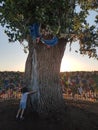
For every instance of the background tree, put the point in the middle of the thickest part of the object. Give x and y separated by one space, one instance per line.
55 18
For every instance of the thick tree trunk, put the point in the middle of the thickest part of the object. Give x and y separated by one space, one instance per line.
42 73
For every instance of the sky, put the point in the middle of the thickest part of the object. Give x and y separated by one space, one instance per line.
13 58
73 61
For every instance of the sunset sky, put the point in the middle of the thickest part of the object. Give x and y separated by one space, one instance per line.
73 61
13 58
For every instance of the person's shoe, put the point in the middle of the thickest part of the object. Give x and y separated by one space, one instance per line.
21 118
16 117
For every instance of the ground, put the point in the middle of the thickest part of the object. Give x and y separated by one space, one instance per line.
78 116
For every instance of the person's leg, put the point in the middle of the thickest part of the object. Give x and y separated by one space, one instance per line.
22 112
18 113
23 108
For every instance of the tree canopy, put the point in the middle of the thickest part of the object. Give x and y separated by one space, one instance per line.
64 18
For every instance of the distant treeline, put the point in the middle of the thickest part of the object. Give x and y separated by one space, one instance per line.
93 74
19 75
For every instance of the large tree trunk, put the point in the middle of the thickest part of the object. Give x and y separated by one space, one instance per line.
42 73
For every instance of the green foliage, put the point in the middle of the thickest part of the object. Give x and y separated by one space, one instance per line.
60 16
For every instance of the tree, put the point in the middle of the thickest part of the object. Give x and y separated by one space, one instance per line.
39 23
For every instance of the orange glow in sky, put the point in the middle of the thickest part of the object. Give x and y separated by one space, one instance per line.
69 64
72 64
73 61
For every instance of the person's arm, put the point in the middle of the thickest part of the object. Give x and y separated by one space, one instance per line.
32 92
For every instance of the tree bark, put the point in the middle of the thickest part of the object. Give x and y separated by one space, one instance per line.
42 73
